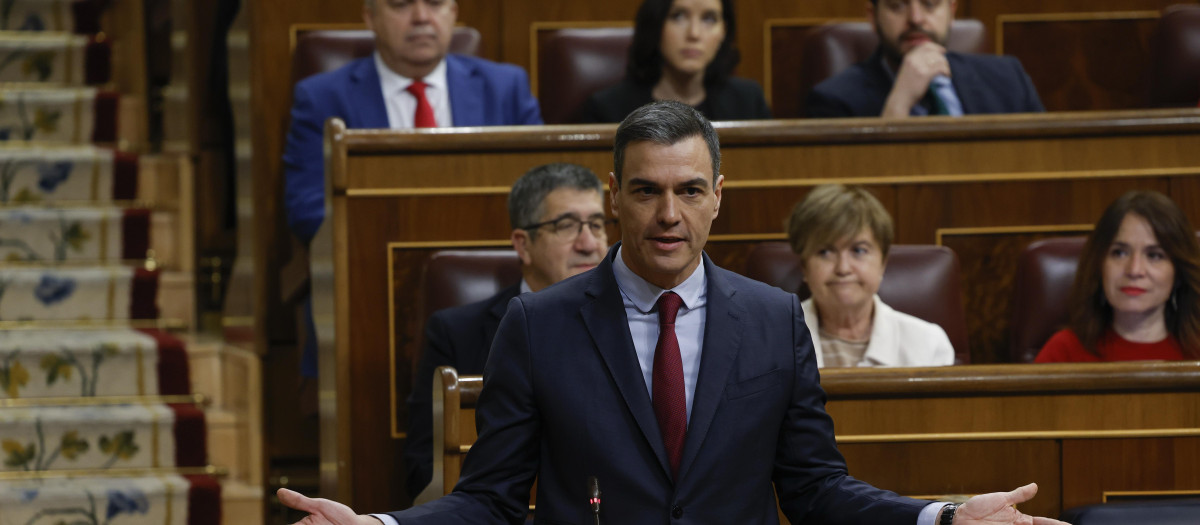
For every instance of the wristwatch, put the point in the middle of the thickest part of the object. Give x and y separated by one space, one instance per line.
948 514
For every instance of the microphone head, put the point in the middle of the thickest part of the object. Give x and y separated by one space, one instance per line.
593 487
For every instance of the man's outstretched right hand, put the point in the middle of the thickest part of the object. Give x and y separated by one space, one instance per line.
322 511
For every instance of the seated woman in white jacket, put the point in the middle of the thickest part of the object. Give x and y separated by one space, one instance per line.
843 234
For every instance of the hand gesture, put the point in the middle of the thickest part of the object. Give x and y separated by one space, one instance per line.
920 65
322 511
998 508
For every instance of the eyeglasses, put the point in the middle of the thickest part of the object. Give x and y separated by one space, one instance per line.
568 228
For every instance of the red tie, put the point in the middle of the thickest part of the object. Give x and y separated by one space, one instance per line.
670 401
424 117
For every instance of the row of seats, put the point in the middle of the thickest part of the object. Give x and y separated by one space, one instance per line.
920 280
586 60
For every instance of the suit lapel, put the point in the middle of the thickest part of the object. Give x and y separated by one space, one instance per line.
608 327
466 92
370 111
724 322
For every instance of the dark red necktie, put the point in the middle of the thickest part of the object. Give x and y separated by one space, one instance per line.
670 400
424 115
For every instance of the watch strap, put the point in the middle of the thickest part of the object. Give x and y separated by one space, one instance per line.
948 514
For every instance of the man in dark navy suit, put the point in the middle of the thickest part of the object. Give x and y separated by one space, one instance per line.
912 74
691 393
558 230
409 82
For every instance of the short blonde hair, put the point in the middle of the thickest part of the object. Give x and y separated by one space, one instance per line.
832 212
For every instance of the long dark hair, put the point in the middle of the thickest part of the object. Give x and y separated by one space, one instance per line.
1091 315
645 60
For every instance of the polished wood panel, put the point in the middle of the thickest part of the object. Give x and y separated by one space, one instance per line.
1079 431
397 195
1083 62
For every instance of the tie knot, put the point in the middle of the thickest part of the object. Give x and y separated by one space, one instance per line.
668 306
417 88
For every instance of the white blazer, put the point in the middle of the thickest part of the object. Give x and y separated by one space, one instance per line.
897 339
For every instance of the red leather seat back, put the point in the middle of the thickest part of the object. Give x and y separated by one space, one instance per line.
919 280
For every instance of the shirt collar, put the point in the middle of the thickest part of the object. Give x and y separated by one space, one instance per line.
525 287
393 82
644 295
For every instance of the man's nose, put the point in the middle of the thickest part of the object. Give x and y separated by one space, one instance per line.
668 209
421 12
588 242
916 13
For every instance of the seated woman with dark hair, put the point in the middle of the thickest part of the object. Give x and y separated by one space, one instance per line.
682 50
1136 294
843 235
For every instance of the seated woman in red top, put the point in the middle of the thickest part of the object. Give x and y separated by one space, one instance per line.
1135 295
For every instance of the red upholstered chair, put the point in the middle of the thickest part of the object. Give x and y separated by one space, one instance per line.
573 63
830 48
1045 272
321 50
1175 58
457 277
920 280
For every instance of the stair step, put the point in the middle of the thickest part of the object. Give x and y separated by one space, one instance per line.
45 364
70 16
43 439
160 500
77 294
58 115
94 235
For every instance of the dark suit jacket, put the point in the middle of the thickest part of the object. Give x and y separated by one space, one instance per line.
459 337
564 398
482 93
734 99
984 83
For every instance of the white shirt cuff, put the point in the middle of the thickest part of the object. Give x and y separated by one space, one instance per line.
926 517
388 520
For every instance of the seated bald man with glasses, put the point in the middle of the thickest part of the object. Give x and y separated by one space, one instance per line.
557 217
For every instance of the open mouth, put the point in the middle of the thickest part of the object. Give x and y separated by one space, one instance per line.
666 242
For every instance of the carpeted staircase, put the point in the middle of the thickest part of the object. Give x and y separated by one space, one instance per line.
99 420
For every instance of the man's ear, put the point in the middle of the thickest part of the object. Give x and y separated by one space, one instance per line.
613 190
368 17
871 16
520 241
717 192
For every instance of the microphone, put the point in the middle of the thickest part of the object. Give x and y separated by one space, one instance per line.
594 497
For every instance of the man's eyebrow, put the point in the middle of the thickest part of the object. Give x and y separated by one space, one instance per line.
698 181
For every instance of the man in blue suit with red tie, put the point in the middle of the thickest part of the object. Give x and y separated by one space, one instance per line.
409 82
690 392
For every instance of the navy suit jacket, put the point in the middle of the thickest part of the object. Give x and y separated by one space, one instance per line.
984 83
459 337
482 93
564 398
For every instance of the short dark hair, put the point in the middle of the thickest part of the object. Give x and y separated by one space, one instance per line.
526 198
1090 313
645 59
665 122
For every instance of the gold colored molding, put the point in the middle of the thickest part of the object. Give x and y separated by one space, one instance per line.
745 237
1065 17
1123 495
194 399
1032 176
770 24
941 233
535 27
209 470
939 437
161 324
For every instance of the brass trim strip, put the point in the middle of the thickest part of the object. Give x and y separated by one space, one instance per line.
141 369
75 137
1170 493
163 324
538 26
104 236
1065 17
170 495
420 245
96 181
940 233
807 182
209 470
155 446
1019 435
112 296
743 237
193 399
